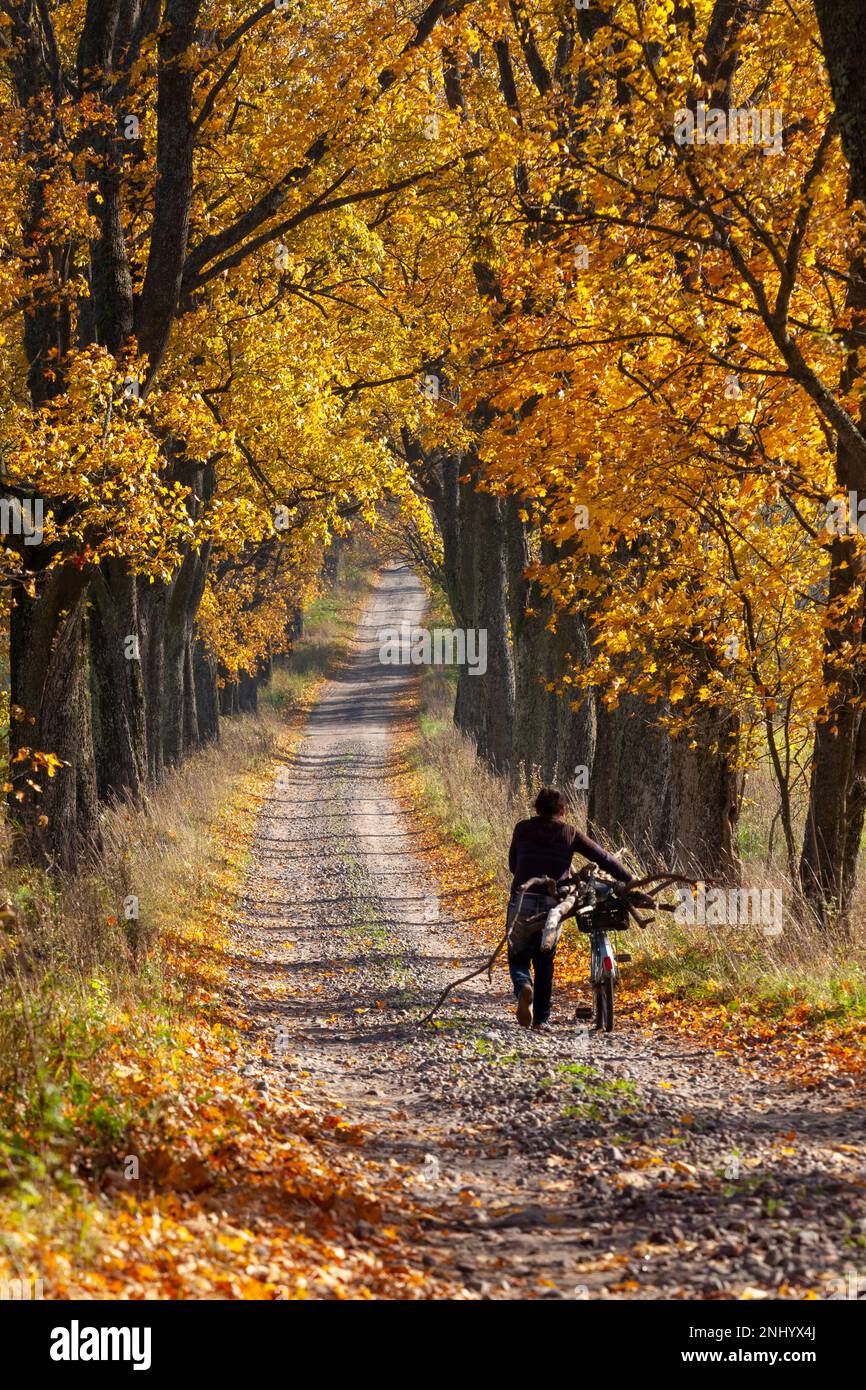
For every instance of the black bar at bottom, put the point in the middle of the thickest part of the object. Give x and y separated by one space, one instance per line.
452 1341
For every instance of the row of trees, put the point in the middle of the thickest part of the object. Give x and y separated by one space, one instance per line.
579 288
190 193
660 362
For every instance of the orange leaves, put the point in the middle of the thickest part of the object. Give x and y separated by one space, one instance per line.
341 1129
643 382
789 1042
166 1169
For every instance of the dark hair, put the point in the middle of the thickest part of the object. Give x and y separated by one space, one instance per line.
550 802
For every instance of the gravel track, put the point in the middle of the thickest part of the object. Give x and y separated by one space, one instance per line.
566 1164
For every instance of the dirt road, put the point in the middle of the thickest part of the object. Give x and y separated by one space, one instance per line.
562 1165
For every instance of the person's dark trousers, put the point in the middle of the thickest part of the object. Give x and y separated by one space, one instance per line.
527 960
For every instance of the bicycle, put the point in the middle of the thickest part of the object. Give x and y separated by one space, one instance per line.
602 908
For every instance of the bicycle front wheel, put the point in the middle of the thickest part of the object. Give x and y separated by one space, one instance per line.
604 1005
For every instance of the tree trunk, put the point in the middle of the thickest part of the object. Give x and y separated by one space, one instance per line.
173 690
833 795
228 697
571 760
476 578
191 739
456 507
496 697
630 785
179 717
152 600
331 563
50 684
118 684
704 797
553 734
206 694
533 735
248 693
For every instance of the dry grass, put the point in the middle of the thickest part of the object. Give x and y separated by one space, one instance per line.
73 961
75 924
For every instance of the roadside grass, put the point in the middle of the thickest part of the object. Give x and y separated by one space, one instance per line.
804 976
328 632
113 1026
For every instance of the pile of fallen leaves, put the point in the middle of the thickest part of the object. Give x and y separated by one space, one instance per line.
220 1192
791 1042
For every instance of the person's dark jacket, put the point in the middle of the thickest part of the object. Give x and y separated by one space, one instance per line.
543 846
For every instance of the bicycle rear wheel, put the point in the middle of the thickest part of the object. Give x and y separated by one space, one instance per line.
603 994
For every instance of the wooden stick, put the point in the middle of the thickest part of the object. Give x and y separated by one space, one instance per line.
488 966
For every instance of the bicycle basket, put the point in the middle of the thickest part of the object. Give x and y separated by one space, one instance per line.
608 914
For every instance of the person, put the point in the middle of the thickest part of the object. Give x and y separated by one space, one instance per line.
542 847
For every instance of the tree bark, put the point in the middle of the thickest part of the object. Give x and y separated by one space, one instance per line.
456 508
531 643
575 719
630 784
157 304
248 693
179 719
152 600
228 697
118 683
704 797
496 696
554 735
206 694
49 682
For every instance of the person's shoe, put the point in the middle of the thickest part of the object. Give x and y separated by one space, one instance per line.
524 1006
541 1027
